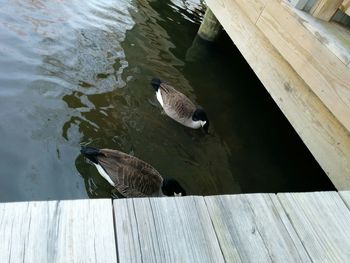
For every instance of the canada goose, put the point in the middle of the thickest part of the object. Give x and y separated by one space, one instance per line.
178 107
131 176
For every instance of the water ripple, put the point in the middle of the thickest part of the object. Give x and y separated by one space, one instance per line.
77 72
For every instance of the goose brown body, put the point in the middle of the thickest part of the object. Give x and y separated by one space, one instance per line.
131 176
176 105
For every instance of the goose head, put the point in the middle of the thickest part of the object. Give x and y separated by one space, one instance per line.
201 116
155 82
171 187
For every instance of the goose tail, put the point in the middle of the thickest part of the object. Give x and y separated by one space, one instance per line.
155 82
91 153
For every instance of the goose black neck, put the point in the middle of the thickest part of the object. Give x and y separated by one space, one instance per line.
171 187
91 153
155 82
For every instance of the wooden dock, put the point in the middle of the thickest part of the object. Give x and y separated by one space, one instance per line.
287 227
304 63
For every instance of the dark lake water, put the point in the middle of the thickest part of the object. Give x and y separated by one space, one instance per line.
77 73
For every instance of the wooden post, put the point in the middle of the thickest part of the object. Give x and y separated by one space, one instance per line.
300 4
198 49
325 9
346 7
210 27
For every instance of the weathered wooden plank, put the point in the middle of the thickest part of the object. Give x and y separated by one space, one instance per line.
252 8
289 227
345 6
309 58
347 10
345 195
128 245
332 35
57 231
326 138
322 222
300 4
165 230
251 226
196 236
325 9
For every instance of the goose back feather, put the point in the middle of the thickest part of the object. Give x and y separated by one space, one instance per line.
176 105
131 176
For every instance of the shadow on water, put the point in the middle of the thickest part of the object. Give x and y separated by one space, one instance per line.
199 162
252 148
84 79
267 155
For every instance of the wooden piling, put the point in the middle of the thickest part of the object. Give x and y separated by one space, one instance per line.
210 27
325 9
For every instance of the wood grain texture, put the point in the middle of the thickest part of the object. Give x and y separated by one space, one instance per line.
252 8
128 244
325 9
332 35
250 229
322 133
165 230
309 58
322 222
345 195
57 231
300 4
347 11
345 7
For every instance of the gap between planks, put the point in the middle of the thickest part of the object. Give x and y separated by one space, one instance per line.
265 232
165 230
258 211
259 230
262 228
321 220
57 231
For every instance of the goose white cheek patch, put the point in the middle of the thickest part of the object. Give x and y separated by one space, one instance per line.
104 174
159 97
203 123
